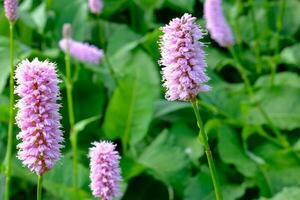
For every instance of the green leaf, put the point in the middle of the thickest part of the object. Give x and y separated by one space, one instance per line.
149 4
281 79
58 181
133 101
80 126
21 52
200 187
39 16
232 152
164 107
184 5
188 140
281 105
166 160
291 55
288 193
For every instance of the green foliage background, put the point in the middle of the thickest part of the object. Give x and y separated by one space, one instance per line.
164 158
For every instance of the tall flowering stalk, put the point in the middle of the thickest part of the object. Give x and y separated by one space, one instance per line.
183 69
11 13
221 32
66 43
105 172
38 117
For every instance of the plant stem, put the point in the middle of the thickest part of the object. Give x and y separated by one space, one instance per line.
11 112
242 71
204 140
279 25
277 132
39 187
257 43
73 136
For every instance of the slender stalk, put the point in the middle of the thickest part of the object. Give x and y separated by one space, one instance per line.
242 71
73 136
204 140
11 112
39 187
277 132
257 43
279 25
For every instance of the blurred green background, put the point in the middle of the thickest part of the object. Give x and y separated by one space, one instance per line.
164 158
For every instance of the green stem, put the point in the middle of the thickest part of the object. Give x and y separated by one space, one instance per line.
242 71
257 43
277 132
39 187
279 25
11 113
204 140
73 138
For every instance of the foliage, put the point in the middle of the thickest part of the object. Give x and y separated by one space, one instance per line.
161 155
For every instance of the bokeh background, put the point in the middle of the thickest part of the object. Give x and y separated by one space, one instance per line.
164 159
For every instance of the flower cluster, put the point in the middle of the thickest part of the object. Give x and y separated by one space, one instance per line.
11 10
38 116
183 59
216 23
105 171
82 51
96 6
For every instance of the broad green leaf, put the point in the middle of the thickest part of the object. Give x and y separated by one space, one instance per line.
231 151
291 55
121 37
164 107
133 101
281 79
149 4
184 5
188 140
58 181
281 105
39 16
130 168
165 160
288 193
200 187
21 52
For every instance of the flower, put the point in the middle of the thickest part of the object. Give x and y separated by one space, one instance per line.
82 51
38 116
96 6
216 23
183 59
11 10
105 172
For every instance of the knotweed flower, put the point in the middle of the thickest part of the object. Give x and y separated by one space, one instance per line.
183 59
105 171
38 116
11 10
82 51
216 23
96 6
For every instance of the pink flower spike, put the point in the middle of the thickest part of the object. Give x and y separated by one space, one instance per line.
105 172
11 10
38 116
183 59
82 51
96 6
216 23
